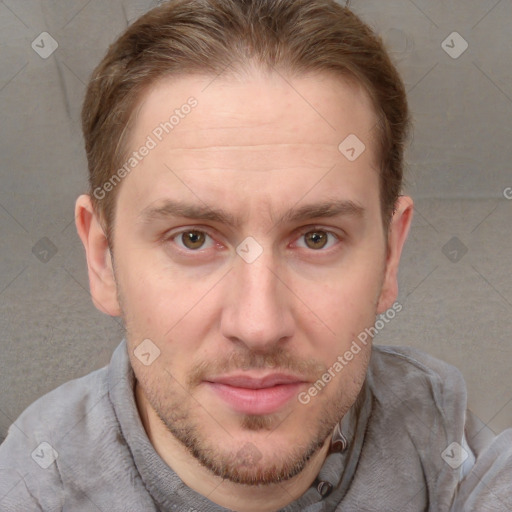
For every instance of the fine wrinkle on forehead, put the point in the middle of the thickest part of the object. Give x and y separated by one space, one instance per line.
262 146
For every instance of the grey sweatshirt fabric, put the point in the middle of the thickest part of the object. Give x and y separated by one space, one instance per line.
82 447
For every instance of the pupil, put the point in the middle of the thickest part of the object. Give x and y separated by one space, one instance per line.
318 239
194 239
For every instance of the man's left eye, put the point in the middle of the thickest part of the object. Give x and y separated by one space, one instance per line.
318 239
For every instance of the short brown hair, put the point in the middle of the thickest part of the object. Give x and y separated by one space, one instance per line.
183 37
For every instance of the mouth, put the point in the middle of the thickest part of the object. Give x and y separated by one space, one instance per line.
256 395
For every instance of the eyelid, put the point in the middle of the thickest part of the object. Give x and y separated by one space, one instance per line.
317 227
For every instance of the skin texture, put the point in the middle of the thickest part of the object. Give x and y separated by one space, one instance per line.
256 147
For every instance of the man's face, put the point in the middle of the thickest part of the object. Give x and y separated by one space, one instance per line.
241 334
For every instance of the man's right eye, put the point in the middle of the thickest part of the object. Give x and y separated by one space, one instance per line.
192 240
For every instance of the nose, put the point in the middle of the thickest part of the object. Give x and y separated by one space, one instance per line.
257 305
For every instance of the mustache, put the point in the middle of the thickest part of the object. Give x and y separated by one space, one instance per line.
278 359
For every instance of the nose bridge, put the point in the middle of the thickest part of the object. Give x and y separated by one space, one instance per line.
257 311
257 280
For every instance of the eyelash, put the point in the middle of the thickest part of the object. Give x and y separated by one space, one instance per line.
302 233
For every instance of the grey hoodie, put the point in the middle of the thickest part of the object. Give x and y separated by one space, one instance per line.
411 445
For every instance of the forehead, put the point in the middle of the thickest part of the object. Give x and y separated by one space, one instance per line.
312 109
261 132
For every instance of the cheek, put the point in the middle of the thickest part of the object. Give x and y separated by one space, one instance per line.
338 310
162 306
345 293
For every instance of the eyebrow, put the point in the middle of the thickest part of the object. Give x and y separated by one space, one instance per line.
324 209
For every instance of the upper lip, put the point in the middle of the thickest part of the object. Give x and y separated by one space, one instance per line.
252 382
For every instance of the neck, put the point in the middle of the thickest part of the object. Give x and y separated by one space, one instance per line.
243 498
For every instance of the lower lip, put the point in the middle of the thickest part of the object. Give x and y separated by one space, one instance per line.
256 401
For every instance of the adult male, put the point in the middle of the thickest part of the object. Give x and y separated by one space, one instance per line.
246 222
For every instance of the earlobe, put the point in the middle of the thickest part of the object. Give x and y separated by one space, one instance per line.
99 261
397 234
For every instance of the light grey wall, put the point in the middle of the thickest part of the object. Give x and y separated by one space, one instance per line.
457 305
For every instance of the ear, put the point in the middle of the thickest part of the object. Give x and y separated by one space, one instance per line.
397 234
99 260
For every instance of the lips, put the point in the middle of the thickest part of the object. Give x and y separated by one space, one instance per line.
255 395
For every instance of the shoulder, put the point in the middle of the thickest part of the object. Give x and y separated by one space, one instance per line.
410 375
418 397
413 361
487 486
418 405
46 436
60 410
68 449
